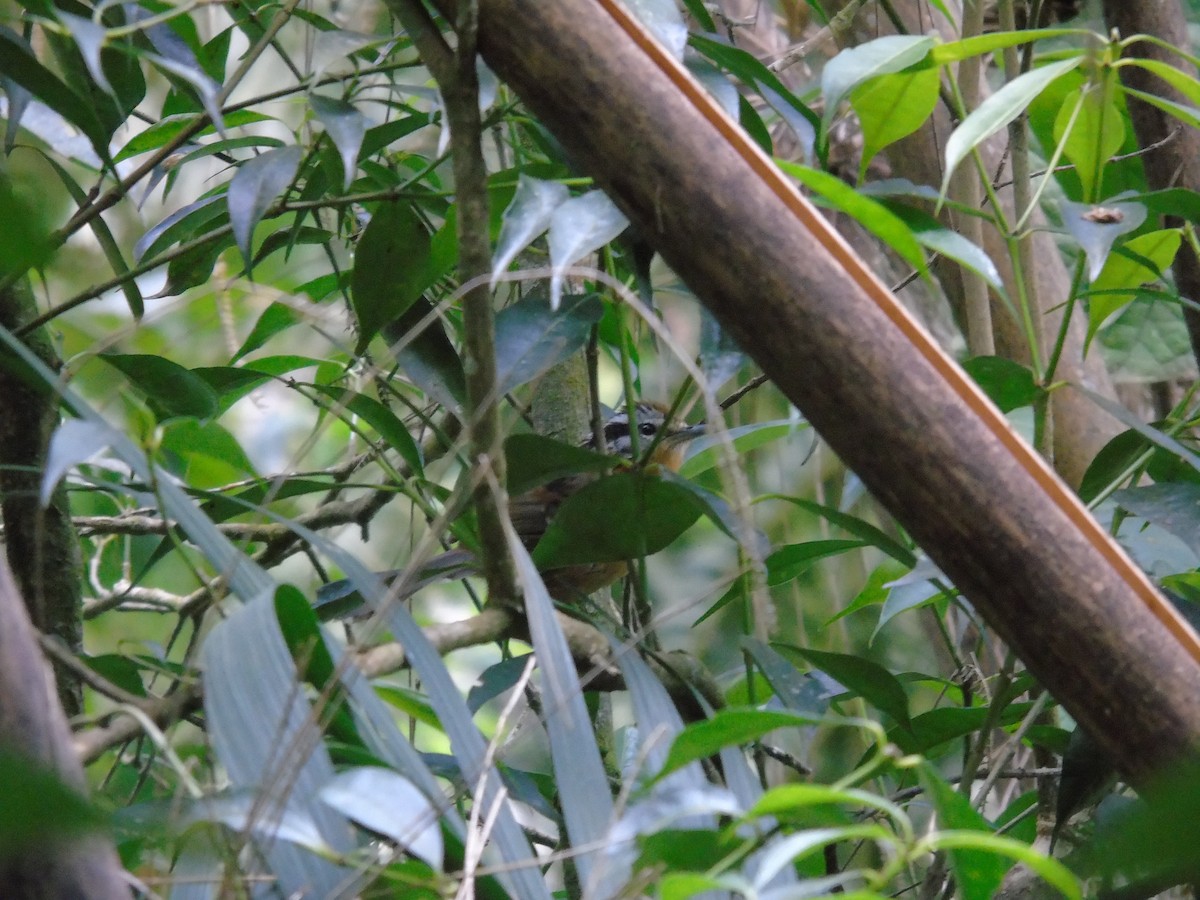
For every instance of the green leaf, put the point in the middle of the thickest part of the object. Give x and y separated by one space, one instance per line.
998 110
801 692
171 389
857 65
393 266
655 511
254 189
1008 384
1116 459
168 128
927 732
869 213
276 318
533 459
104 236
1097 134
892 107
978 872
1174 507
346 127
727 728
1156 250
18 63
955 51
531 337
793 560
860 528
868 679
1148 341
427 357
933 235
704 453
379 417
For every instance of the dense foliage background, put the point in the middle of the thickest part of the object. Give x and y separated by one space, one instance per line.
233 280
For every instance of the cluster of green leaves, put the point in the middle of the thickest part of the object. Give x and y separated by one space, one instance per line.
332 192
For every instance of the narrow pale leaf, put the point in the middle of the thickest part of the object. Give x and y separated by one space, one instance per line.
998 110
527 216
388 804
578 227
255 187
345 126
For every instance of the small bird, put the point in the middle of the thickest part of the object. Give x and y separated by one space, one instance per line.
660 442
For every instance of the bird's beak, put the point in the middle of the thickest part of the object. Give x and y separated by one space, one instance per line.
686 434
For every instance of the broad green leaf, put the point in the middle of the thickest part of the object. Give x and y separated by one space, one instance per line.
531 336
726 728
276 318
1096 135
788 797
525 218
534 459
180 226
335 44
171 389
751 71
1174 507
27 228
392 268
1172 75
1121 272
933 235
655 511
1097 227
871 214
1148 342
579 226
860 528
166 129
90 37
1049 869
807 693
18 63
205 87
977 872
868 679
379 417
905 593
1187 114
1150 433
998 110
1008 384
427 356
857 65
345 126
955 51
892 107
927 732
211 456
1115 460
254 189
793 560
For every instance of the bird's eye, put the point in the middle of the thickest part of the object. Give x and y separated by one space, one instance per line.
647 429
